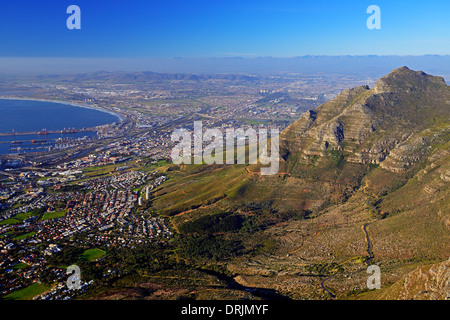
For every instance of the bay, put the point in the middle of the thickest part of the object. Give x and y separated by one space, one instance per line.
35 115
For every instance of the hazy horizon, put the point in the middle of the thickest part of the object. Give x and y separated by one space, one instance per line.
372 65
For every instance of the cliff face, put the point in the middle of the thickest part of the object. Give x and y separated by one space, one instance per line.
384 125
427 283
430 282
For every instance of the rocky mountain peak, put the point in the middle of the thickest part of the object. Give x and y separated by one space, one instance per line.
406 80
374 125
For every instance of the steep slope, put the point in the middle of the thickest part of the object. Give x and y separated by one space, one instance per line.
428 282
370 123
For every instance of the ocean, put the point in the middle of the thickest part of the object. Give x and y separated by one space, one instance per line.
34 116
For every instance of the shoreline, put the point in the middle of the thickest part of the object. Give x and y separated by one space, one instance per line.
73 104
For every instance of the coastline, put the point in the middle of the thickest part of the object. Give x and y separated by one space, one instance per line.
117 115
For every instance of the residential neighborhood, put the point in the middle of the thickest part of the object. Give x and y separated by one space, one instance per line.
99 212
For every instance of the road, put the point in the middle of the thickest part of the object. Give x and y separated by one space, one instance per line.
367 261
369 244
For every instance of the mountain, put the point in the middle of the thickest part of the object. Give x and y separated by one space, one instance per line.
374 125
145 76
361 66
363 179
372 159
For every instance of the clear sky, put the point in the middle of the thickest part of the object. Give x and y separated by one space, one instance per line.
222 28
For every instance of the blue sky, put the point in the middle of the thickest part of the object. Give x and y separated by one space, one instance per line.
223 28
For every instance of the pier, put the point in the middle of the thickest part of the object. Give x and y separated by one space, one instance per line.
21 142
45 132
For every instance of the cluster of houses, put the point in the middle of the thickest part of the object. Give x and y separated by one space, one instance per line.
104 212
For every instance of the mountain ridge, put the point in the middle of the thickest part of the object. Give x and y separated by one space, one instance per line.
400 104
144 76
373 164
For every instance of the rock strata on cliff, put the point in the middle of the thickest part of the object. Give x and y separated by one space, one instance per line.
383 125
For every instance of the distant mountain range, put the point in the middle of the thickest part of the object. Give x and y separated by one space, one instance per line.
370 65
145 76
